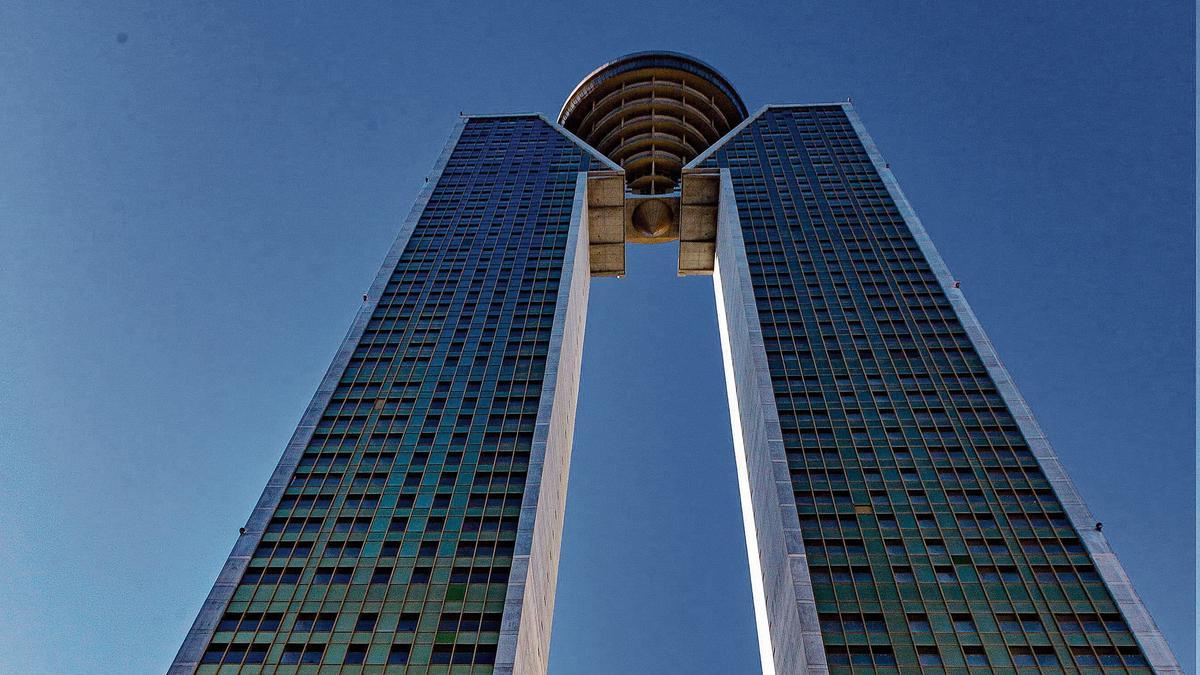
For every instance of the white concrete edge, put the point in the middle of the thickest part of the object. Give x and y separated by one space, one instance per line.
779 649
583 144
524 641
753 554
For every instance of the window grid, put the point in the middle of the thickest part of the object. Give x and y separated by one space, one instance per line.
911 477
392 543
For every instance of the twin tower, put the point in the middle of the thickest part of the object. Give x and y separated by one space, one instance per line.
903 510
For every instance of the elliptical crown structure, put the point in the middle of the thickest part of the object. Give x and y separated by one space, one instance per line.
652 113
903 510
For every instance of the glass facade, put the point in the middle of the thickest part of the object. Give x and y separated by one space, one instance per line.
935 541
391 545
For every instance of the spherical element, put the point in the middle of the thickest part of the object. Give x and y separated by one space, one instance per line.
652 113
653 218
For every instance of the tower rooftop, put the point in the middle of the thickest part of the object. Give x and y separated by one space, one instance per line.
652 112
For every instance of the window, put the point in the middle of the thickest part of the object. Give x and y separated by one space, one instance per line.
215 653
1008 623
903 575
981 546
302 654
381 575
234 653
975 656
442 654
272 575
256 654
252 621
463 654
398 656
484 654
860 656
1023 656
408 622
874 623
1037 656
351 524
928 656
478 575
365 502
1030 623
421 575
964 624
366 622
999 574
944 574
333 575
1085 657
1090 623
919 623
1130 656
468 623
316 623
1112 622
350 549
356 654
853 623
831 624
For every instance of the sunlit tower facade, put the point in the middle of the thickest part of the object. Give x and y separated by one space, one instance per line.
903 511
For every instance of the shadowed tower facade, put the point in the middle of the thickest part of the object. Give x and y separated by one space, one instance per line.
903 511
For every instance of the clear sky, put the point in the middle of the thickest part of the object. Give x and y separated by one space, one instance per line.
193 197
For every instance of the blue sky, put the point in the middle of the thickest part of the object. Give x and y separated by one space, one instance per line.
188 218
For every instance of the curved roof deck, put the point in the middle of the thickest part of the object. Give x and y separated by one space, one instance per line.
652 112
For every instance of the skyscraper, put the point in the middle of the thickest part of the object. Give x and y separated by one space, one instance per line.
902 509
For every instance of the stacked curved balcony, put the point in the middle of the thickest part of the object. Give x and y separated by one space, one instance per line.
652 113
